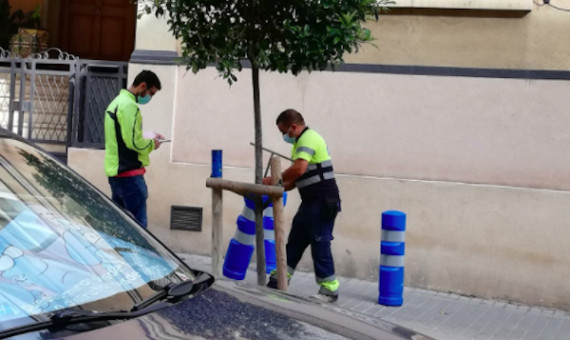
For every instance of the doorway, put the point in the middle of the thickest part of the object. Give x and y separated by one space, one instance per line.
98 29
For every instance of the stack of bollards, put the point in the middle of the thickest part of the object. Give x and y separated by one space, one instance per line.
240 249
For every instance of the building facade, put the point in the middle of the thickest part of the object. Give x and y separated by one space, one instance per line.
457 116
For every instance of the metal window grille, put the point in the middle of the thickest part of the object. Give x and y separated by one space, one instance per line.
186 218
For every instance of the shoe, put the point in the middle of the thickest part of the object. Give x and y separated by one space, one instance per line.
272 283
326 296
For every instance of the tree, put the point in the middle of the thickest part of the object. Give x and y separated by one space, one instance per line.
273 35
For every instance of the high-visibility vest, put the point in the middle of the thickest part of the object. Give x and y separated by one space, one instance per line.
318 180
125 146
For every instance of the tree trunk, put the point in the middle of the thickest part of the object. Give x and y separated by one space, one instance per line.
259 244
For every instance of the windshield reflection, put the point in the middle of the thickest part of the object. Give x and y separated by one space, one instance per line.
63 245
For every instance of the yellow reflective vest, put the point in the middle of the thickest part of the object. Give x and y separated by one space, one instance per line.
318 180
125 147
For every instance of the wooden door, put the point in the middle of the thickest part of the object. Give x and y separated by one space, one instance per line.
98 29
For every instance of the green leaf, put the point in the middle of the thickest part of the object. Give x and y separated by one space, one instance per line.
367 34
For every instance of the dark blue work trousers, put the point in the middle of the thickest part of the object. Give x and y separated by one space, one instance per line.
131 193
313 226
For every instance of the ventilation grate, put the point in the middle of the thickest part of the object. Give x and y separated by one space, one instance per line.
186 218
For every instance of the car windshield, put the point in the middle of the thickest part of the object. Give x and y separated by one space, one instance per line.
64 245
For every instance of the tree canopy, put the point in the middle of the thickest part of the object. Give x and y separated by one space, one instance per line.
276 35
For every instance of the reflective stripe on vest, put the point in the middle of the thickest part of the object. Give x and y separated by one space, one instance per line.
316 173
306 149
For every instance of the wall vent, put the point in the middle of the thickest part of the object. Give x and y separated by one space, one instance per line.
185 218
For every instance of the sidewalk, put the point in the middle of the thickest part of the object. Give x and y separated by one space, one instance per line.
439 315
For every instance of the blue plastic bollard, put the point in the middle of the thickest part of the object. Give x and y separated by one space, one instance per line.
392 246
269 235
216 163
241 246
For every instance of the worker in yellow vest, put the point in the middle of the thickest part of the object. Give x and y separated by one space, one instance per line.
312 173
126 148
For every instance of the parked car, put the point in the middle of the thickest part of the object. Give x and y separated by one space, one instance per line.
73 265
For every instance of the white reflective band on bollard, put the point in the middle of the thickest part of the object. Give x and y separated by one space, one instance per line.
393 236
268 212
391 260
269 234
248 214
243 238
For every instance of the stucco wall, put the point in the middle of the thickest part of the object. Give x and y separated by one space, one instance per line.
528 40
476 130
410 143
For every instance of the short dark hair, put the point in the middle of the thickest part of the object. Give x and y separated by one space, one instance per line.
149 78
289 117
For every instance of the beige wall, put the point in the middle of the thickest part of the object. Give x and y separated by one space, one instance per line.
478 164
464 4
477 130
481 239
537 40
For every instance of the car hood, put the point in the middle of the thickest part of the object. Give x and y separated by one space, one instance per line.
232 310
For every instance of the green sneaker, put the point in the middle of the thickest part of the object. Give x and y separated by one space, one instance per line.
325 296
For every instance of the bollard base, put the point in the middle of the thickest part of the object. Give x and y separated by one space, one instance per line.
393 302
237 260
234 275
391 286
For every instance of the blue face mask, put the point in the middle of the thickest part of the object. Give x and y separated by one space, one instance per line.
287 138
144 100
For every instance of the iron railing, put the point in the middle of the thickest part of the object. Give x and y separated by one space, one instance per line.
98 83
53 97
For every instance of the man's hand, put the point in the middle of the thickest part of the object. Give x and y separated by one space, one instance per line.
268 180
157 140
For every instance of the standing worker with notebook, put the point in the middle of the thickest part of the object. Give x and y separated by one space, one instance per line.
126 149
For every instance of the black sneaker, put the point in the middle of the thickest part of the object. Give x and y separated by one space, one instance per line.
272 283
325 295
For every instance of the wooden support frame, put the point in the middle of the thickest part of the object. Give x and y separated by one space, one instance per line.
244 189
